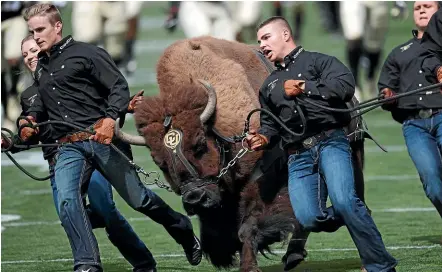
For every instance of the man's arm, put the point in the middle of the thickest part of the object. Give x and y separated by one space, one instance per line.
389 80
32 139
36 112
37 109
335 82
105 71
269 128
390 74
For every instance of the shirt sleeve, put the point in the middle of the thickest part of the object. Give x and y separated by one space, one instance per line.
105 71
390 74
269 128
24 106
37 110
335 80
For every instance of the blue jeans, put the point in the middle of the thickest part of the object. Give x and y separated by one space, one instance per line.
423 138
328 167
73 170
102 213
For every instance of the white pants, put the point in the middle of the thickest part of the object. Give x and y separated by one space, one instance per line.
367 20
244 13
14 30
133 8
92 21
206 18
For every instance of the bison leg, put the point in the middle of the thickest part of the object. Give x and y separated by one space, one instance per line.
248 236
296 252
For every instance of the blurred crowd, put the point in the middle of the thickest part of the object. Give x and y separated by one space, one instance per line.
114 25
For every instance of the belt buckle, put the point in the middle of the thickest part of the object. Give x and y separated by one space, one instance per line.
309 142
425 113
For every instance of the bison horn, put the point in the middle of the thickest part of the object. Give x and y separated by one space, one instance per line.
125 137
211 103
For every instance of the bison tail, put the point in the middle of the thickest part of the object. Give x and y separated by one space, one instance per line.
273 229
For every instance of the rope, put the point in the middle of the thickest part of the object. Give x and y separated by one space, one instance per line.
375 103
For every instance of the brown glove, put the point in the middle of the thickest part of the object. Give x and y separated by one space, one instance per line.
104 131
256 141
135 101
293 87
439 74
26 133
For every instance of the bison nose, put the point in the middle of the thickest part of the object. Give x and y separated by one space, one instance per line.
194 197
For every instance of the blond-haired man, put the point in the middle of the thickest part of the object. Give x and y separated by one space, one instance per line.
80 84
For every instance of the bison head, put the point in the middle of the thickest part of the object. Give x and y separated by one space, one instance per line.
178 131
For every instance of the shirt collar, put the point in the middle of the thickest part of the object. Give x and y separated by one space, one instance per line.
290 57
414 32
61 45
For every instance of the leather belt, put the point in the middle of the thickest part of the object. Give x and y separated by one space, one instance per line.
424 113
309 142
75 137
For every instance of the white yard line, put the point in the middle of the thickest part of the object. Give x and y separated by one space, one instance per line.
383 123
135 219
390 148
48 191
182 255
391 177
411 209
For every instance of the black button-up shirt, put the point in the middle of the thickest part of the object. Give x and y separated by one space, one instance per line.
27 99
402 72
78 83
327 81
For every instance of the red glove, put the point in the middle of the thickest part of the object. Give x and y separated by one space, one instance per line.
388 93
256 141
5 143
104 131
389 105
135 101
293 87
26 133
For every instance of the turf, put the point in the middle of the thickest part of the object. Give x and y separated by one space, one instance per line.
37 242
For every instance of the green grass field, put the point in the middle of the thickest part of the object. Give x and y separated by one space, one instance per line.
410 226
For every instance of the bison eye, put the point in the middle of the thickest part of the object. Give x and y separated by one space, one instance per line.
140 126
